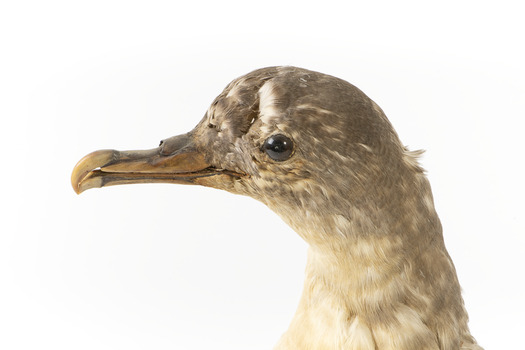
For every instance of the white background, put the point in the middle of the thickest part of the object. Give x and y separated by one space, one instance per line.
181 267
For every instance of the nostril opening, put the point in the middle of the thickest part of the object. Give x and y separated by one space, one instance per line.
161 142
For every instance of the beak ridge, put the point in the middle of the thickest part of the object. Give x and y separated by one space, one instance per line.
176 160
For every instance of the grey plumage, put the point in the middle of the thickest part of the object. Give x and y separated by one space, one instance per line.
378 274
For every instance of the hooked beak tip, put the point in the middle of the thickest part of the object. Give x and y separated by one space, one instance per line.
85 167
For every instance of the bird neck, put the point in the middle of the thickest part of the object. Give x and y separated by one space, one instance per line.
362 276
371 258
371 284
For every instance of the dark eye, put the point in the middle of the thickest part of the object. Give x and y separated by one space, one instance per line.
278 147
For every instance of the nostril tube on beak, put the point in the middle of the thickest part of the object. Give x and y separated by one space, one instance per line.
175 144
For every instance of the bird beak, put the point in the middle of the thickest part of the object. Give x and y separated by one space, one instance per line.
176 160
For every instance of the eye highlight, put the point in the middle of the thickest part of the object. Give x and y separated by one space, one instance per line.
278 147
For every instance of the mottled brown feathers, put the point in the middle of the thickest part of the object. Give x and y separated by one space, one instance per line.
378 275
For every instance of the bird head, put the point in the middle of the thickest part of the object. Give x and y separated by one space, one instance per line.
312 147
